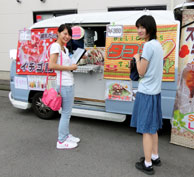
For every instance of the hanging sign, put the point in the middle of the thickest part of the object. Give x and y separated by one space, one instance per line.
77 32
114 30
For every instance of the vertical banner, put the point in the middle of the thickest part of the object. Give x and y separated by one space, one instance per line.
33 51
119 50
183 121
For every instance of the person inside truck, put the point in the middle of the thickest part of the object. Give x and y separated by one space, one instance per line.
72 45
147 114
59 52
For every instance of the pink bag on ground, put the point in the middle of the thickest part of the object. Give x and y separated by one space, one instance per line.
51 97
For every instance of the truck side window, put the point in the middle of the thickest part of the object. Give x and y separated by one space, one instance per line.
94 36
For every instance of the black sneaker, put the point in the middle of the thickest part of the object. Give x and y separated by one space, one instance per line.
141 166
156 162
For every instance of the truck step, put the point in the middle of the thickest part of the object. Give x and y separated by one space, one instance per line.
101 115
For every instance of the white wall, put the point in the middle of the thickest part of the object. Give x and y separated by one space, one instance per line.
15 16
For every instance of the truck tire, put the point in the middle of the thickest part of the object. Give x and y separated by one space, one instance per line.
40 109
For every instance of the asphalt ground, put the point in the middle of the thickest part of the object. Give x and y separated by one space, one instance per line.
107 149
4 84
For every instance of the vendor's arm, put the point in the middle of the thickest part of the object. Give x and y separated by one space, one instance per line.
53 64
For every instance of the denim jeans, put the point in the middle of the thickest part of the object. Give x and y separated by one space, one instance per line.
67 93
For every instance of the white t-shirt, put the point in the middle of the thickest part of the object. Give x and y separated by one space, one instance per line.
67 76
151 82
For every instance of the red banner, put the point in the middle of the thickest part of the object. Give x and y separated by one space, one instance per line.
33 55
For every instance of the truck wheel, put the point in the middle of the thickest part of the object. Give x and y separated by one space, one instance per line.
40 109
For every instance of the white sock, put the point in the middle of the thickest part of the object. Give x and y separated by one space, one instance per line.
147 164
155 156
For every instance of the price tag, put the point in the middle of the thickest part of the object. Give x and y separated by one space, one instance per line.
25 35
114 30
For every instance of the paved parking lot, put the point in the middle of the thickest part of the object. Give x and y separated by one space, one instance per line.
107 149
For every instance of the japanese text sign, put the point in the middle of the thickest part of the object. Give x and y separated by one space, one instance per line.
33 52
119 50
183 120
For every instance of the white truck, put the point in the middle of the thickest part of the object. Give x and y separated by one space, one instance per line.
102 86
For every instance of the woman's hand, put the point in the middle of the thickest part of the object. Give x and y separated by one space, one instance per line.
73 67
85 56
137 57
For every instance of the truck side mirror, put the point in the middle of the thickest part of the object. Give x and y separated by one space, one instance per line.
12 54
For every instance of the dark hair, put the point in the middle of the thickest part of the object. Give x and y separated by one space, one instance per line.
63 27
148 22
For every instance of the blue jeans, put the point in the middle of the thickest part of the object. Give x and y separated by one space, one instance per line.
67 93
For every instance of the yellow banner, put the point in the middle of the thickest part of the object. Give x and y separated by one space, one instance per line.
119 51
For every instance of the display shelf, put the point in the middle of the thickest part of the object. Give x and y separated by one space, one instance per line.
89 68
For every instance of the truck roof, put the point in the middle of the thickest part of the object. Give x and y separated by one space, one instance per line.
184 5
118 17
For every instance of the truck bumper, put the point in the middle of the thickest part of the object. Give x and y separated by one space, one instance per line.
19 104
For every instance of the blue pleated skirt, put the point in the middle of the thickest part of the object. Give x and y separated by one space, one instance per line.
147 113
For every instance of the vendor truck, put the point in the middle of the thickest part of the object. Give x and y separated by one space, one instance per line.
103 89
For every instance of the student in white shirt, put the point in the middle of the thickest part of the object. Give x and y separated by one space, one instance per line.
58 49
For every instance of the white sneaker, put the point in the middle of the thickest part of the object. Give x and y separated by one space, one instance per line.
72 138
66 144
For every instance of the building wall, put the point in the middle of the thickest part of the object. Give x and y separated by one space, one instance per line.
15 16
